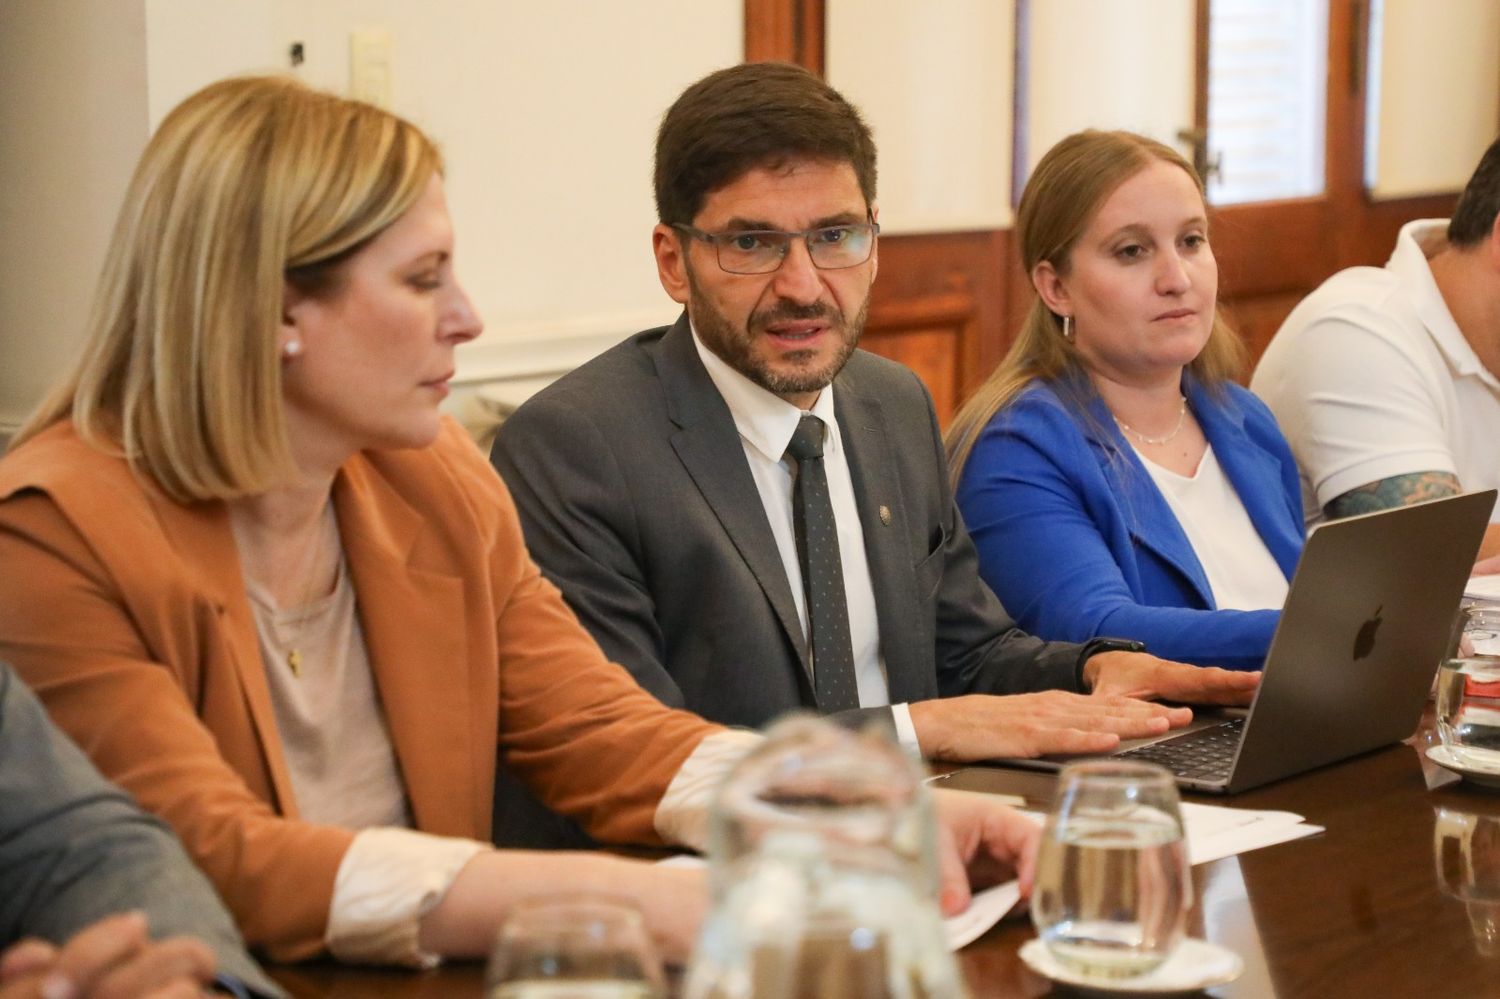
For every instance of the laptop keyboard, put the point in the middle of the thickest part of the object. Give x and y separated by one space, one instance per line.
1202 755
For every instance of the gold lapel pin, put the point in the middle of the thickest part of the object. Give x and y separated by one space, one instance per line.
885 515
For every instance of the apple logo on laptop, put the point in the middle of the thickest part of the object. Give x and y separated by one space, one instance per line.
1365 640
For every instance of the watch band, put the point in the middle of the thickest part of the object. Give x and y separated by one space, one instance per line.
1094 646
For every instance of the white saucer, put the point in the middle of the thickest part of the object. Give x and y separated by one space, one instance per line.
1482 775
1194 965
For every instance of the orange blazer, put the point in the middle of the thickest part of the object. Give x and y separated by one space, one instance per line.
126 611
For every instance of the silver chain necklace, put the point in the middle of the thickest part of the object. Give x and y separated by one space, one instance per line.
1163 439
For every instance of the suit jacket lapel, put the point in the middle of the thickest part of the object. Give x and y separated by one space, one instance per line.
1255 474
413 623
202 532
1151 521
877 488
709 447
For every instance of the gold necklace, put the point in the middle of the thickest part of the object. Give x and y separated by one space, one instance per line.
308 611
1165 438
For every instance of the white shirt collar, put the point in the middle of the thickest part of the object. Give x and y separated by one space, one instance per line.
1417 243
765 420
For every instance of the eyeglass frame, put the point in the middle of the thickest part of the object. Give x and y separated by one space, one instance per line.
717 239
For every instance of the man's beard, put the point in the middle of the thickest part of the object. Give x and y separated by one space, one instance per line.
736 346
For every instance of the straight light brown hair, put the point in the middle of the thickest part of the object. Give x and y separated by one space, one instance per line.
249 185
1066 190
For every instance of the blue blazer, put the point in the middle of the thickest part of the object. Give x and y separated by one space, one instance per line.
1077 541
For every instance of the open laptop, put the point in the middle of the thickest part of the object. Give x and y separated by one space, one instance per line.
1366 621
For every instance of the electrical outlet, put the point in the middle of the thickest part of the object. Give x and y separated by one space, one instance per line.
370 66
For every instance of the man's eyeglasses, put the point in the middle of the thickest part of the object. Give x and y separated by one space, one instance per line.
761 251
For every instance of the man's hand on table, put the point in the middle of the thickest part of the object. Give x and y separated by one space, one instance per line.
986 727
114 958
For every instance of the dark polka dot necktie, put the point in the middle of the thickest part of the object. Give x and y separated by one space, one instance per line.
822 572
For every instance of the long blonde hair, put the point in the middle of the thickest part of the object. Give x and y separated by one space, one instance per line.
248 184
1066 189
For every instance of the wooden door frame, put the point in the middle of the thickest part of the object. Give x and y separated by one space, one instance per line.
1342 227
786 31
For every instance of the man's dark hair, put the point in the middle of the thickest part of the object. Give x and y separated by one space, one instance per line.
1474 218
753 115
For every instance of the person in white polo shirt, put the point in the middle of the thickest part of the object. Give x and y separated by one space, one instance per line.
1384 380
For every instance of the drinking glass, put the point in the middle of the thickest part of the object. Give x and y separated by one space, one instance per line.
1466 851
1468 689
573 947
823 866
1112 882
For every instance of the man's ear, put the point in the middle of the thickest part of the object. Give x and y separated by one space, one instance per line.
670 248
1051 289
1492 244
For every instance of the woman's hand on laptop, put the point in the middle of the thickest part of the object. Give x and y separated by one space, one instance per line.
1142 675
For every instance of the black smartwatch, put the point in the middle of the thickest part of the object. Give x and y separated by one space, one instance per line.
1094 646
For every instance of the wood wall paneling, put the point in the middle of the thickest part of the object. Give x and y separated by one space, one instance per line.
939 307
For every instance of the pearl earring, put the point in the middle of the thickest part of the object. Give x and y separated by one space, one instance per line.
291 350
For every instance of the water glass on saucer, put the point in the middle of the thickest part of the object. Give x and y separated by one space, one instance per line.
1113 887
1468 690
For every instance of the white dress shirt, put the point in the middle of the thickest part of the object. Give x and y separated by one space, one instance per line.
766 423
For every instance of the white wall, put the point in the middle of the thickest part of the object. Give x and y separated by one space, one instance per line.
1108 64
72 122
547 112
1433 120
934 80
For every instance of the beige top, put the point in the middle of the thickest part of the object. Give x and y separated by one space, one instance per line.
333 732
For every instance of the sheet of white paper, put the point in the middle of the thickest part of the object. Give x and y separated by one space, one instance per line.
1213 832
1483 587
1217 831
986 909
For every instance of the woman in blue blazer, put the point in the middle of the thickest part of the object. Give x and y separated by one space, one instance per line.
1115 481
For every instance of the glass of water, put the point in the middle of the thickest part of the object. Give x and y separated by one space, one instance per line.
573 947
1468 689
1113 886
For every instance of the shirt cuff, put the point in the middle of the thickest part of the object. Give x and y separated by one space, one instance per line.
389 879
906 732
682 814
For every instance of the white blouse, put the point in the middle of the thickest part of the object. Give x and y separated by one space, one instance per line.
1242 574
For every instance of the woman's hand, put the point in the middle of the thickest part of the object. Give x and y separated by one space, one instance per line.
981 842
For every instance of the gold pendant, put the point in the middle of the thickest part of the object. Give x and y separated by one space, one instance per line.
294 660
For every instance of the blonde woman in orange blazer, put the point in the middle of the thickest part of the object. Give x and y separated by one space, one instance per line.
244 492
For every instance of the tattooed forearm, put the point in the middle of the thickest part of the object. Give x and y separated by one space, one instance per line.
1398 490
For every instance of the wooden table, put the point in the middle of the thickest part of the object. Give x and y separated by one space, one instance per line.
1357 911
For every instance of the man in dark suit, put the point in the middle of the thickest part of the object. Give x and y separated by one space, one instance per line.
740 573
87 880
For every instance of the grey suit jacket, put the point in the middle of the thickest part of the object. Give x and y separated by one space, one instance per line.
74 848
637 501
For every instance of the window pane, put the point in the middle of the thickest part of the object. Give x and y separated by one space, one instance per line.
1267 67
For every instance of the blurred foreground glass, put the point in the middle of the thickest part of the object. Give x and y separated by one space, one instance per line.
573 947
1112 882
1466 850
1468 688
824 875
